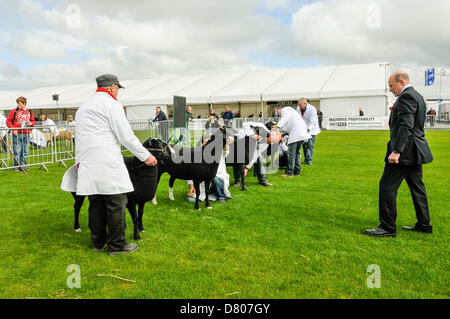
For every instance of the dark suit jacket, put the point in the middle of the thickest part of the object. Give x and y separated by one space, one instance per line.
406 125
161 116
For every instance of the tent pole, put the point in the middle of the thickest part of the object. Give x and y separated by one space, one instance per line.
262 106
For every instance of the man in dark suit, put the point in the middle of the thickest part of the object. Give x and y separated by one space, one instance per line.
407 151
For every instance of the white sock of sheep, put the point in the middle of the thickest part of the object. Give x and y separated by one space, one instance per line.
154 201
171 193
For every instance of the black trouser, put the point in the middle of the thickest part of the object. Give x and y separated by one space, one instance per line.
3 142
390 182
107 220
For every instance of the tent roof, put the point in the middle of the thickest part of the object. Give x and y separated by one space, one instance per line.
200 92
251 86
248 87
356 80
295 83
164 91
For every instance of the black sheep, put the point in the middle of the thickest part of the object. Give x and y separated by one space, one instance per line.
242 151
240 155
145 181
198 164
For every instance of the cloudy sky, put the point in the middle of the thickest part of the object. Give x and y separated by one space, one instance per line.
49 42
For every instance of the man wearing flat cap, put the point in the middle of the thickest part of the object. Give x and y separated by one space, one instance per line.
102 128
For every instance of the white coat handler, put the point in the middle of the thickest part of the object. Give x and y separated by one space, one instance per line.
100 171
309 114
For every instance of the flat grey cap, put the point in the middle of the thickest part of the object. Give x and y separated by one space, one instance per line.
106 80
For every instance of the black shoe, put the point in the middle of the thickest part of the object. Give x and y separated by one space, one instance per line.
127 248
419 230
99 249
378 232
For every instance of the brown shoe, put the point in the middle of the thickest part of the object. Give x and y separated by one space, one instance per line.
237 185
266 184
286 176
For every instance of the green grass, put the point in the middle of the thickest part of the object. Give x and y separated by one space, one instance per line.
301 238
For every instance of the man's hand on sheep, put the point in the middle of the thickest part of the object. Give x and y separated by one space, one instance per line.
151 161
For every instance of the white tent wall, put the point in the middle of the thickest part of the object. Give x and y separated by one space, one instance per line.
143 112
349 106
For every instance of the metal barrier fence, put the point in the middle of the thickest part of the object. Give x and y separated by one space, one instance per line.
42 145
47 145
22 148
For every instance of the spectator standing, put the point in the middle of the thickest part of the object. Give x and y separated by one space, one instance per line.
162 121
275 113
71 127
309 114
184 131
20 117
3 142
49 127
212 120
213 113
431 116
228 116
320 117
100 169
361 112
292 123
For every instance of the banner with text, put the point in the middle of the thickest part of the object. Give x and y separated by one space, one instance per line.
356 123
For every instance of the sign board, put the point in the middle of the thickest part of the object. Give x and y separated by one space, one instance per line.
361 123
179 111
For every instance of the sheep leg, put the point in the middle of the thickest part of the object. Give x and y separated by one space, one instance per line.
171 182
79 200
207 183
242 171
140 214
132 210
197 194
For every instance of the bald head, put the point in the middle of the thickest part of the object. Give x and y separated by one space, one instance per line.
397 81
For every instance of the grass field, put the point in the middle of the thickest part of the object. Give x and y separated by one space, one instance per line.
301 238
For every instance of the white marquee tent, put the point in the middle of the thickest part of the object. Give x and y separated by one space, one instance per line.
337 90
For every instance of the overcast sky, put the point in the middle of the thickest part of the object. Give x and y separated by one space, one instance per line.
49 42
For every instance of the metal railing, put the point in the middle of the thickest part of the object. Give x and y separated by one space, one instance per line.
46 145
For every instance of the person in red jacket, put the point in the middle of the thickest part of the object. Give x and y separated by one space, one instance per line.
20 117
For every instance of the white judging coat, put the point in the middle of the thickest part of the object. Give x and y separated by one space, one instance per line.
311 119
101 128
293 124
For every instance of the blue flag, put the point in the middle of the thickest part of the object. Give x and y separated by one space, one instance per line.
429 77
